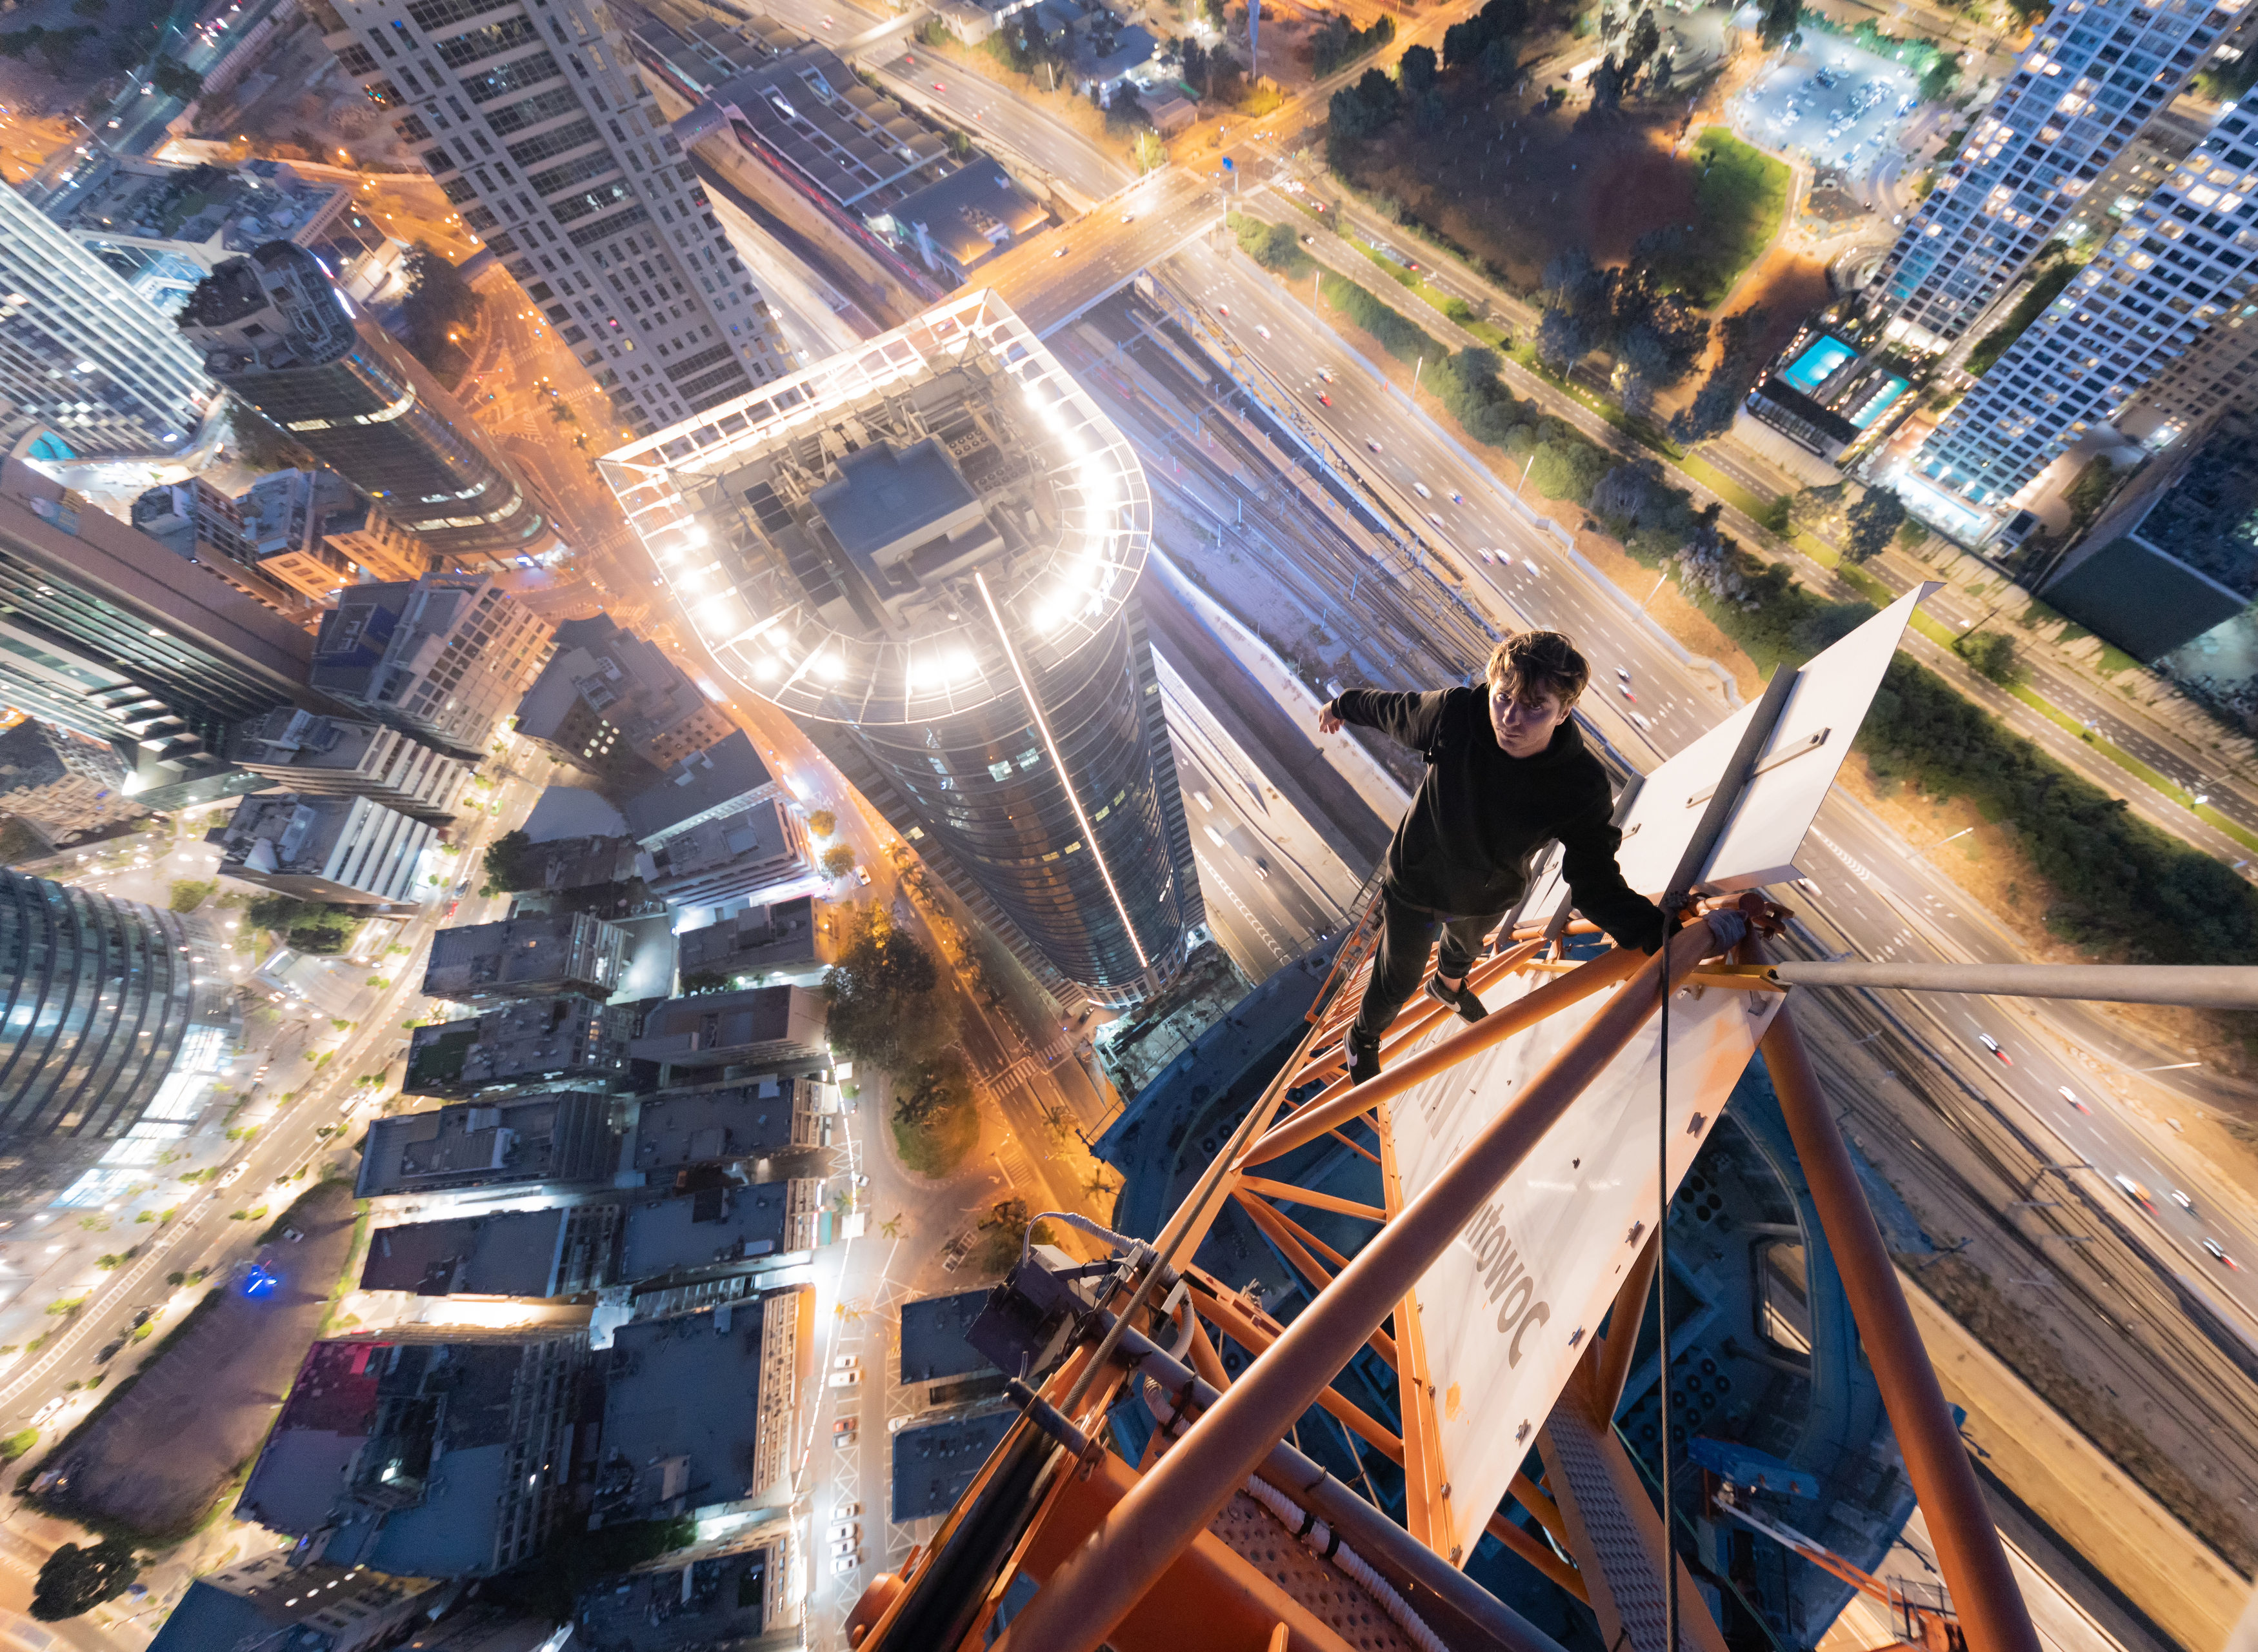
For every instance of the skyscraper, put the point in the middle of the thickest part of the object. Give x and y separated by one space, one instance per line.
2162 305
2096 73
105 631
118 1021
82 354
535 121
924 550
275 331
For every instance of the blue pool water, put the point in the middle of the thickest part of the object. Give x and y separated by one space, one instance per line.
1812 367
1879 403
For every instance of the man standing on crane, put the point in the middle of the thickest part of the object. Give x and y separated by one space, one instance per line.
1506 772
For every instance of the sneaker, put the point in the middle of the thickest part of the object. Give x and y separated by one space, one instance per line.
1363 1058
1469 1007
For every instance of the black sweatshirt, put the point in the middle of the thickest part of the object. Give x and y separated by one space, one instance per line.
1464 847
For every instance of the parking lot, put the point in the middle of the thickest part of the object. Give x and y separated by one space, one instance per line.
1832 102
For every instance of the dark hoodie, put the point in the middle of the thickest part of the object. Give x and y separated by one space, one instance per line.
1464 847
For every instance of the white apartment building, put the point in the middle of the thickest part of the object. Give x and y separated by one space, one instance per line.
2095 73
84 355
2161 312
532 119
351 850
328 756
445 657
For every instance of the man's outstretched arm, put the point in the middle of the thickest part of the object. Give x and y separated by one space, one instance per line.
1591 841
1408 719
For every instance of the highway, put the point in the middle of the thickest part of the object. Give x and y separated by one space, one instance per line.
1882 899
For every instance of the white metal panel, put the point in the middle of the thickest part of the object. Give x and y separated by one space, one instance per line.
1512 1305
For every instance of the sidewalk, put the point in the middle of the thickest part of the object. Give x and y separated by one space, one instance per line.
2064 1479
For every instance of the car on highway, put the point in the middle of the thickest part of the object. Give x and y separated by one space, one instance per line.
1484 555
1623 672
2070 1095
1222 309
938 87
1457 498
2218 1254
1373 442
1128 217
235 1172
1992 1045
110 1352
1434 519
1420 488
2183 1202
1202 798
1060 253
454 905
1262 868
1259 327
1623 689
2136 1192
49 1409
1325 399
863 876
1325 373
1215 837
1640 718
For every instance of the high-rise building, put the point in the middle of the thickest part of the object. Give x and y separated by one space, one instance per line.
62 783
275 331
2171 294
105 631
351 850
118 1022
538 126
2096 74
85 356
198 523
445 658
926 550
316 1608
607 698
336 756
282 516
375 544
164 225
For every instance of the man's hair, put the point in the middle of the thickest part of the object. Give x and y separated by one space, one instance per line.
1528 662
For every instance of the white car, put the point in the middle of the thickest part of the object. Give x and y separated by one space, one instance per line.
846 1563
1260 329
2183 1202
846 1362
1484 555
847 1511
235 1172
843 1550
1420 488
846 1379
845 1532
1202 798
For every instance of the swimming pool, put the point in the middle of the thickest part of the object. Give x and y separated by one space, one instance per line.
1811 369
1879 403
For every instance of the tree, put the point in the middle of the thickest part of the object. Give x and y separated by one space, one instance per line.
510 865
75 1579
440 310
1937 80
173 78
1873 523
838 859
823 823
1780 19
1991 654
1415 70
936 1086
1645 41
1711 411
886 1008
1561 339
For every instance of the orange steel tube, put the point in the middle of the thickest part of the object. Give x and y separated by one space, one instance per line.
1984 1593
1170 1507
1539 1556
1524 1012
1614 1367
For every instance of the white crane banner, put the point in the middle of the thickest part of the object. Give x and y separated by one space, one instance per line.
1512 1304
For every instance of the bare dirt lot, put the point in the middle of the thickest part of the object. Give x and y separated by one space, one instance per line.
156 1458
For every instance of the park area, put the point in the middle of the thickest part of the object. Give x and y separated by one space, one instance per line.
1620 185
158 1458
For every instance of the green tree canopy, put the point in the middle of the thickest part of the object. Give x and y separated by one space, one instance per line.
510 865
839 860
886 1006
1874 522
76 1579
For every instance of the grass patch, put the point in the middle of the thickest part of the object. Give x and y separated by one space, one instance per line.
1739 201
937 1143
1725 487
2114 660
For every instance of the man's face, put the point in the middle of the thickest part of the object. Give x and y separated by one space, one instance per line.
1524 727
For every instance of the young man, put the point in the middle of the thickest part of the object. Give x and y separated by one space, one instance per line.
1507 771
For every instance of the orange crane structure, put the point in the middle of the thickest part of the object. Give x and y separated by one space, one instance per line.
1525 1163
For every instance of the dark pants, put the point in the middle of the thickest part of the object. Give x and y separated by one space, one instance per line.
1406 935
